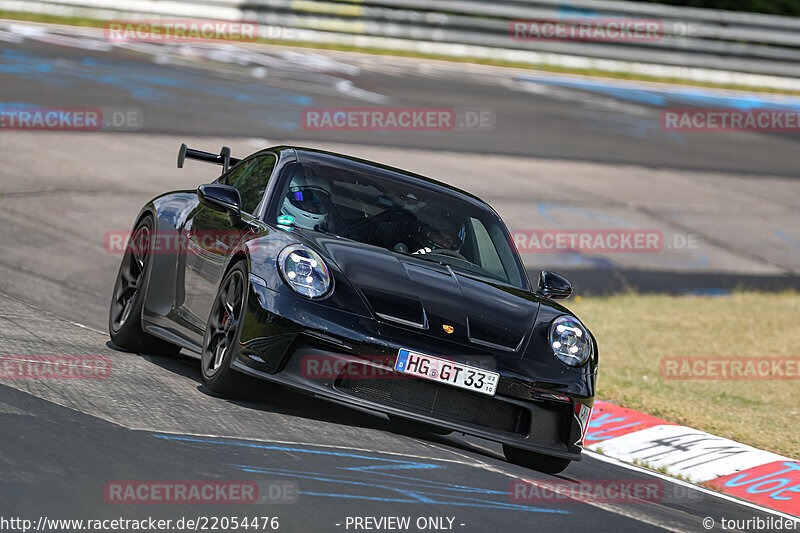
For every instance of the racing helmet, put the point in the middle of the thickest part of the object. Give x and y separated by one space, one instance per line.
307 201
440 228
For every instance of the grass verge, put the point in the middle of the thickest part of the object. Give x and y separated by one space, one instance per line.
81 21
634 332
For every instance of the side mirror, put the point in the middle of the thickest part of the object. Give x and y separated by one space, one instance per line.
553 286
222 198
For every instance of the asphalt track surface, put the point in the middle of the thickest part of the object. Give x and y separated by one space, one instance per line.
255 91
63 441
560 152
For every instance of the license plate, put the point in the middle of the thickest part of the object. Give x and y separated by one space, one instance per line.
445 371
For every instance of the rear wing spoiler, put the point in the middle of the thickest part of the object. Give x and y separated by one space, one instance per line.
223 158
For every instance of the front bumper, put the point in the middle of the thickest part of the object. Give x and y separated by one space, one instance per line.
284 338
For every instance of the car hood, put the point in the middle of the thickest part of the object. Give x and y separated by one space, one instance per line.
434 299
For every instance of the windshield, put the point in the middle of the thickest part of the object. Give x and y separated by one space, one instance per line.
399 217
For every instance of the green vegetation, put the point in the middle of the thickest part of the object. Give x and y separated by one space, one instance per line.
660 469
773 7
634 332
51 19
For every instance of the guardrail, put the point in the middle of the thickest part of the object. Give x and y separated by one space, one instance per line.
692 43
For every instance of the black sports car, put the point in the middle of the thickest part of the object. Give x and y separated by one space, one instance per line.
365 285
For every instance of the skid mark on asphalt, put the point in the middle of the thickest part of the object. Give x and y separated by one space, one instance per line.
255 443
663 94
549 212
790 240
626 119
159 85
397 488
315 70
381 483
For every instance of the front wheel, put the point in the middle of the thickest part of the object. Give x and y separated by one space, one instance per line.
536 461
222 335
125 313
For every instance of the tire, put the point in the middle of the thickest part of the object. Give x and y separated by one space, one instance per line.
536 461
222 336
125 312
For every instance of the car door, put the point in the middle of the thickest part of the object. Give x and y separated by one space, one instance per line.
210 237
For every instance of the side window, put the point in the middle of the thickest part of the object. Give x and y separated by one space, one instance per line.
488 258
233 174
251 181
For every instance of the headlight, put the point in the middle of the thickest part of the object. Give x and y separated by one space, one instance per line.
570 341
304 271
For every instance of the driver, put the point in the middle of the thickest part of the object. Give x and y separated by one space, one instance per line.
440 230
307 201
